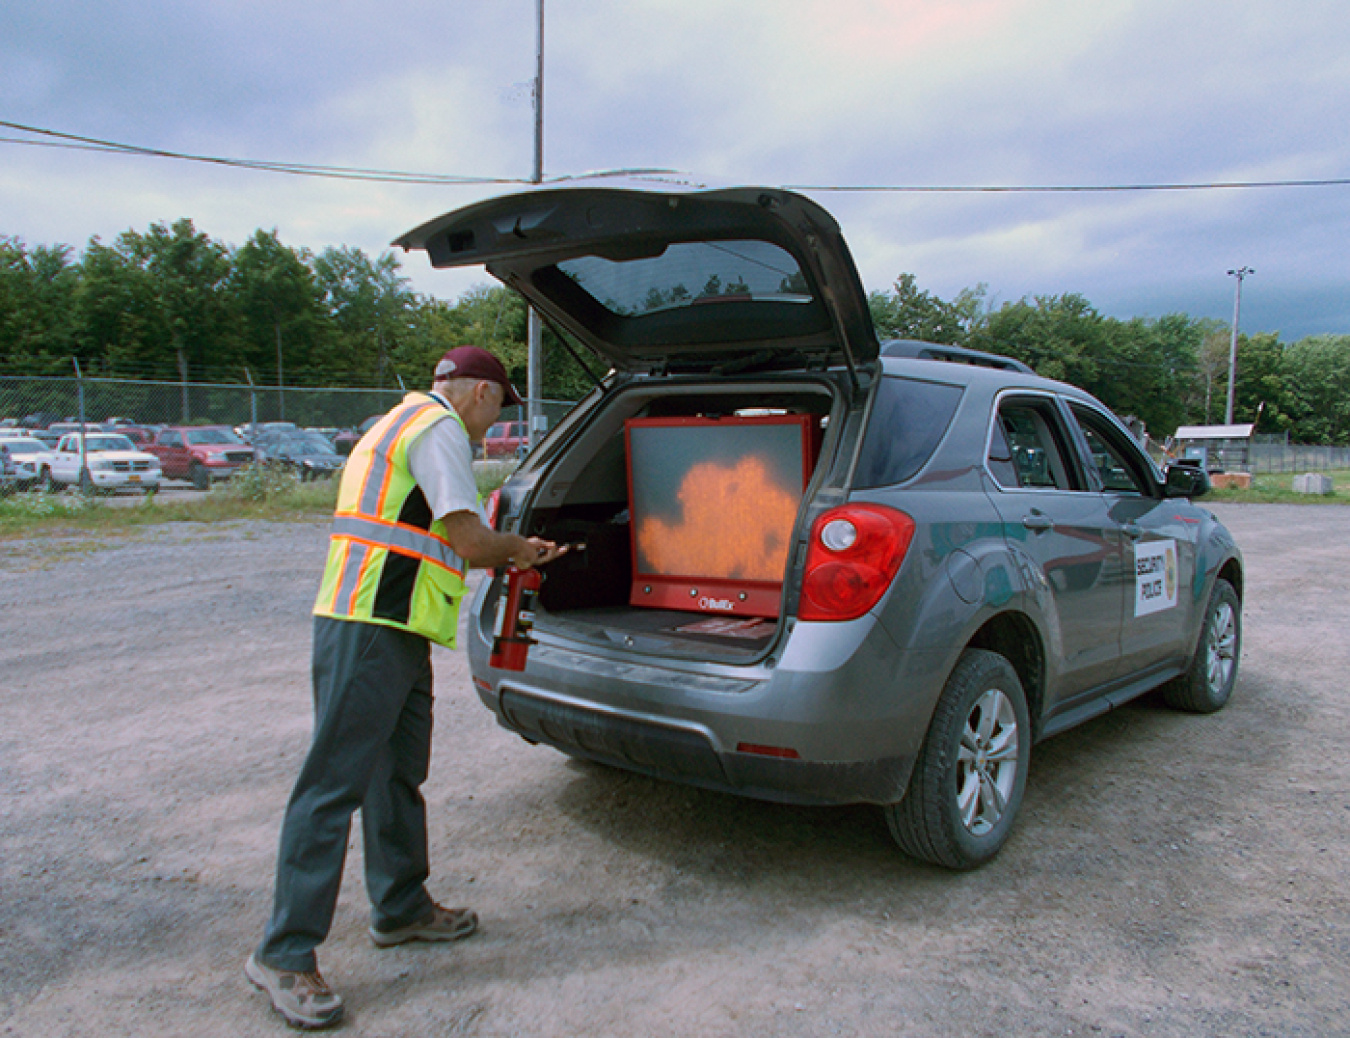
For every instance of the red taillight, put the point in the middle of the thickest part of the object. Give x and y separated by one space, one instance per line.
854 554
782 752
494 504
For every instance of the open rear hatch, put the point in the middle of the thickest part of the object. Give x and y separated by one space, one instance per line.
661 281
732 317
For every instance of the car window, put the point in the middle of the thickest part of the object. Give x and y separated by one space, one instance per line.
108 443
497 431
1027 447
691 274
1120 471
171 439
908 421
203 437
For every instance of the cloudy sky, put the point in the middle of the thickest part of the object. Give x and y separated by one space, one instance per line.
950 93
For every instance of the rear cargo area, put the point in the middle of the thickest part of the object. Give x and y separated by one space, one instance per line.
729 517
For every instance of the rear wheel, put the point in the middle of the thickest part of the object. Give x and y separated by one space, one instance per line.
968 781
1206 686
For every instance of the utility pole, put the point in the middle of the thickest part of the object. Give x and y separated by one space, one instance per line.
534 390
1240 273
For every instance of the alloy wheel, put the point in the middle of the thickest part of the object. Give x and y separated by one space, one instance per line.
986 765
1221 647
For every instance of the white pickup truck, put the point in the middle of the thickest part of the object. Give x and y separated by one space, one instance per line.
112 462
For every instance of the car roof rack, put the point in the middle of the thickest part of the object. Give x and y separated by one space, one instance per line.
953 354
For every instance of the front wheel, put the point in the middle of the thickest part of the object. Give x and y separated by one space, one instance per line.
201 479
968 781
1206 686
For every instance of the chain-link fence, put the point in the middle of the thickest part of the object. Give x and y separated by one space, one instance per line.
1272 457
39 402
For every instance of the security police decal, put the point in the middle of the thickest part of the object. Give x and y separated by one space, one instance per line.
1155 577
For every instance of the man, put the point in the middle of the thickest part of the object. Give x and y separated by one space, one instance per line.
408 522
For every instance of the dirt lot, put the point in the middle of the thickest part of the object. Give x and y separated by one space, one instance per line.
1171 874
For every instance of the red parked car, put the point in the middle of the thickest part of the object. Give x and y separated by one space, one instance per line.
506 440
201 453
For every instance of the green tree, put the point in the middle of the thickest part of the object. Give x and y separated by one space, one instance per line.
906 312
1317 389
188 327
1260 395
373 311
37 326
494 318
281 307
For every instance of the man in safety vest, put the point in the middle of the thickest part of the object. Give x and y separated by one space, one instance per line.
408 524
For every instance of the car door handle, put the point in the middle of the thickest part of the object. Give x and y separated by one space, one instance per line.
1132 530
1037 522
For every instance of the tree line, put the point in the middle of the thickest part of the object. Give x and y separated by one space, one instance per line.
174 304
1166 371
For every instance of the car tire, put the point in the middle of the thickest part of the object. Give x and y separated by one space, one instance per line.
1209 681
45 483
968 781
201 479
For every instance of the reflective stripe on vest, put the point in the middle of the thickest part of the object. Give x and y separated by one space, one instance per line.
383 568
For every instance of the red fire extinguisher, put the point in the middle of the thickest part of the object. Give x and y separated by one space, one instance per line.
511 639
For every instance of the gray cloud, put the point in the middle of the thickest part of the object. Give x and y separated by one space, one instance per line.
771 91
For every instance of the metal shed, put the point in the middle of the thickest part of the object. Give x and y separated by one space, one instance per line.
1215 448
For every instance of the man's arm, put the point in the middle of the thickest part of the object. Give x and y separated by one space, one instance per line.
483 548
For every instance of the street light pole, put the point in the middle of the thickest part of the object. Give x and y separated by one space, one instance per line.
1240 273
534 329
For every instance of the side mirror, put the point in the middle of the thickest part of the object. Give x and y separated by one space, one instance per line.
1186 481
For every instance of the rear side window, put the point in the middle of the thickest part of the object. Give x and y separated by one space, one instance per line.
909 419
1027 447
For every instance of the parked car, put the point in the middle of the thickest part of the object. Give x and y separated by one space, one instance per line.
345 440
200 453
507 440
109 462
26 454
142 436
818 570
309 454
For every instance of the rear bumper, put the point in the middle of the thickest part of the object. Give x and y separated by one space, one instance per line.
686 754
838 719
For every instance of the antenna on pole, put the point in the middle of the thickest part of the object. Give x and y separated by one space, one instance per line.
1240 273
534 389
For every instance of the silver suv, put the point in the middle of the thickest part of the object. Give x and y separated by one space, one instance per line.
820 569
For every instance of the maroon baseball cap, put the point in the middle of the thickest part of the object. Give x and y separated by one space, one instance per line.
476 362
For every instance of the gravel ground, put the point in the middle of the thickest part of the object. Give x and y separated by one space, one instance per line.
1170 875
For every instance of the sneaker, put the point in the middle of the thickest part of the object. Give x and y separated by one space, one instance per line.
303 1000
444 924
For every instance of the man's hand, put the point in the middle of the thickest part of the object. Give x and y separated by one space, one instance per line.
485 548
538 552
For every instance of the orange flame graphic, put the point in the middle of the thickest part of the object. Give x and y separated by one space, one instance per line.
736 523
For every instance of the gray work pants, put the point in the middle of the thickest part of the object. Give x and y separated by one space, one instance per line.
371 749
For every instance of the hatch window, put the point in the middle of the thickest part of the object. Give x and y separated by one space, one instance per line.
691 274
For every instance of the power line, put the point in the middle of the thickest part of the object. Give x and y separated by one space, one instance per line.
1218 185
76 142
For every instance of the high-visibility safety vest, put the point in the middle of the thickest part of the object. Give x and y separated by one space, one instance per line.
389 561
